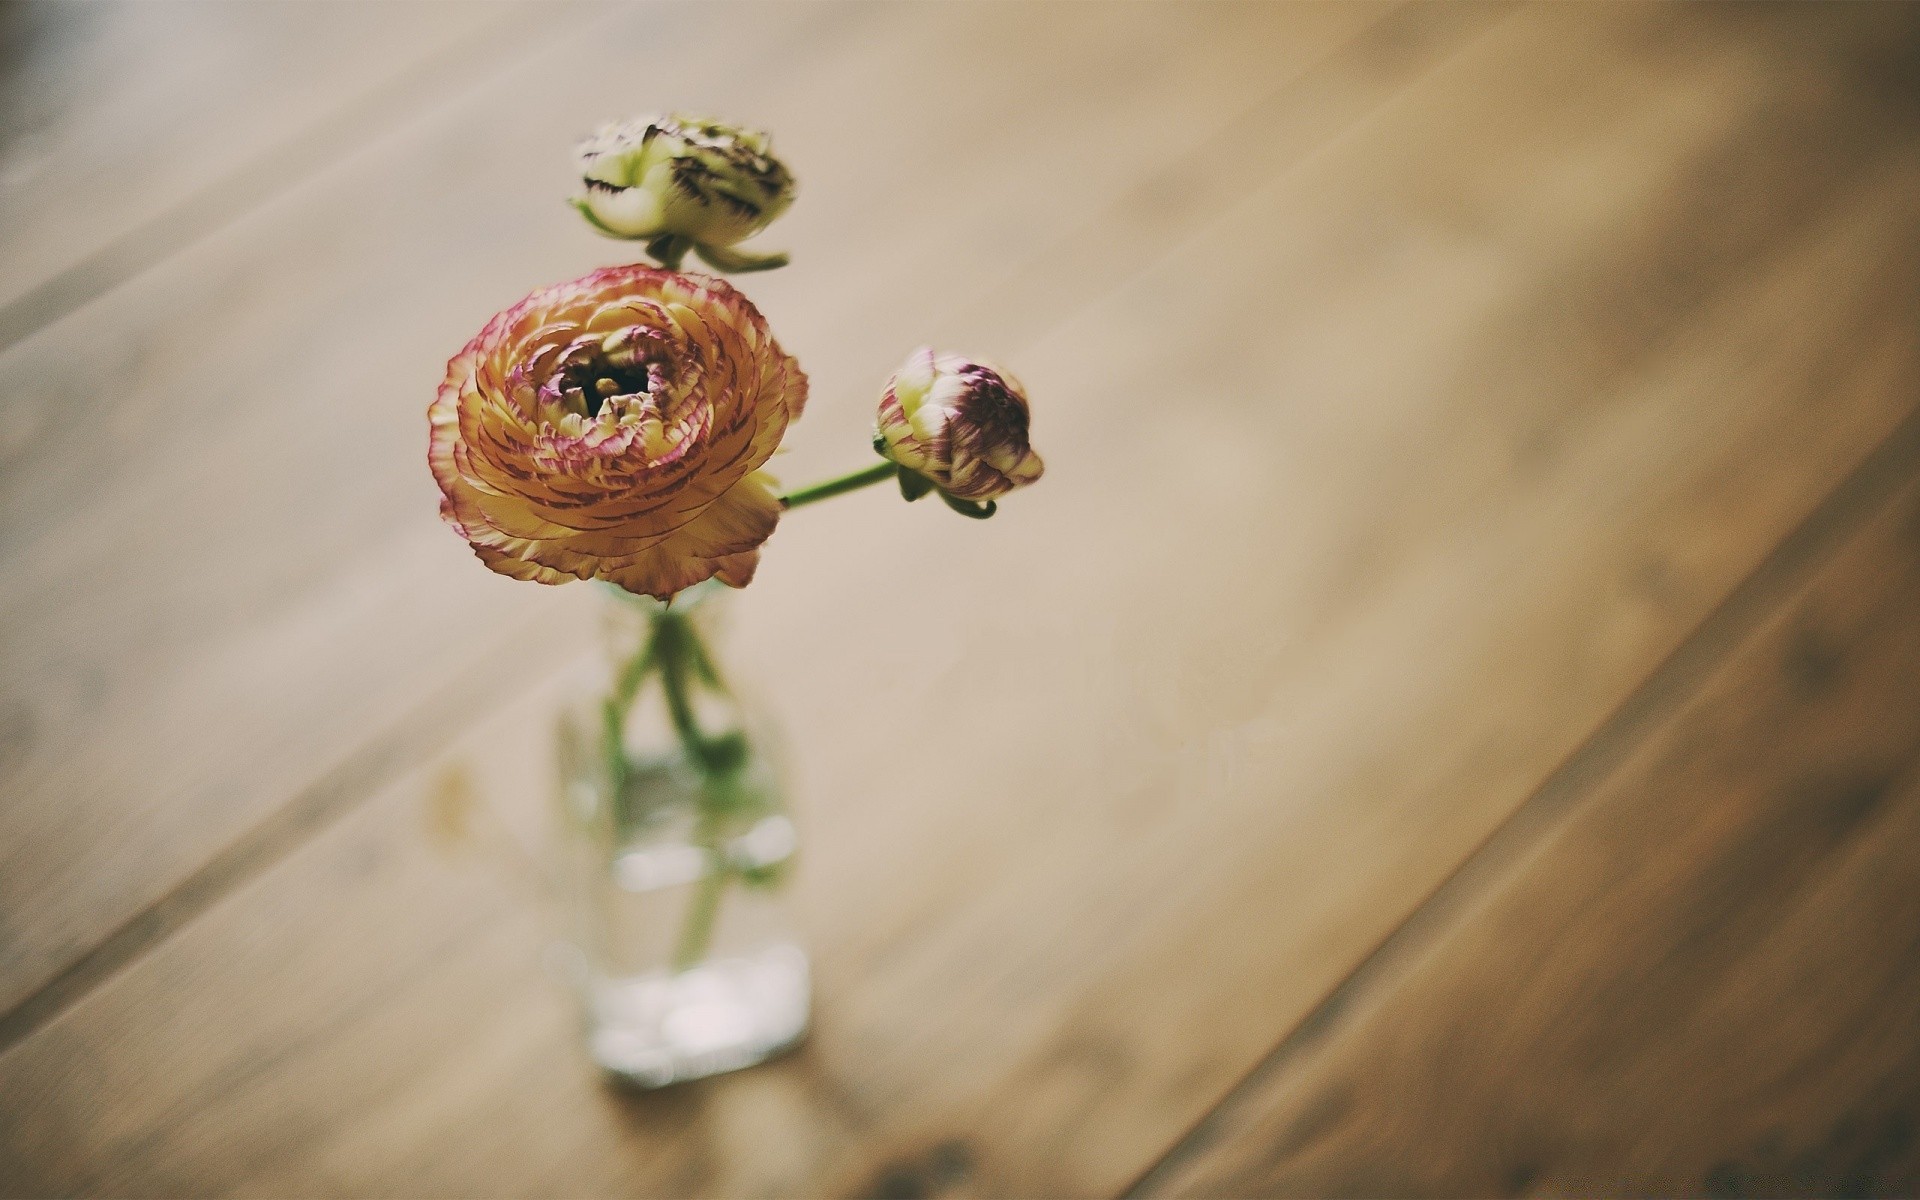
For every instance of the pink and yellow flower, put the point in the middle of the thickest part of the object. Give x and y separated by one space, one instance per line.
613 427
959 423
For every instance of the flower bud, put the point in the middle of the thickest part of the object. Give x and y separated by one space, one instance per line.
960 424
684 177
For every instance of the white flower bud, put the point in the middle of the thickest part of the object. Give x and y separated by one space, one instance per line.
684 177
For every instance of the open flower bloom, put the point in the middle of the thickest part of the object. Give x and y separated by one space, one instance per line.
612 427
684 176
962 424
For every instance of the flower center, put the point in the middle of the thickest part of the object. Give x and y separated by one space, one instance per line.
990 405
631 367
598 379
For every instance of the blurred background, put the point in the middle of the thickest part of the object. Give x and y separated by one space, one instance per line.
1445 724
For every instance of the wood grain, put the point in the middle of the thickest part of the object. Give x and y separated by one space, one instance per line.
1411 387
300 345
1703 981
1437 609
132 128
1489 396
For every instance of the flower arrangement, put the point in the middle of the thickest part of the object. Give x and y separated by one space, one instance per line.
615 428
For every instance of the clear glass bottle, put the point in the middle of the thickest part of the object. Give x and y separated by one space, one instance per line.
675 845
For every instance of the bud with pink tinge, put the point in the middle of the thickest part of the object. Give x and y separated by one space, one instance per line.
959 424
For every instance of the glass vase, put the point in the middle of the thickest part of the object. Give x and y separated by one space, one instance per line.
676 843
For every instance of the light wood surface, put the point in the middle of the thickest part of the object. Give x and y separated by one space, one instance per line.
336 573
132 129
1706 964
1437 401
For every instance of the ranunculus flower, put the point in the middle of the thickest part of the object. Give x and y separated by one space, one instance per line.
959 423
612 428
688 177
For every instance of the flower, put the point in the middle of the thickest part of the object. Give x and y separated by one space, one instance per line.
959 423
680 176
613 428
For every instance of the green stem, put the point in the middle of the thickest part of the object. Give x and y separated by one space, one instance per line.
613 748
672 640
678 650
669 249
613 733
851 481
673 646
632 675
697 934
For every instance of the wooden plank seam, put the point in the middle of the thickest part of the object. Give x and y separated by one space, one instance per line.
393 105
426 731
1866 490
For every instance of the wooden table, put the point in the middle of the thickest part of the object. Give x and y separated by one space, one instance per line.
1446 724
